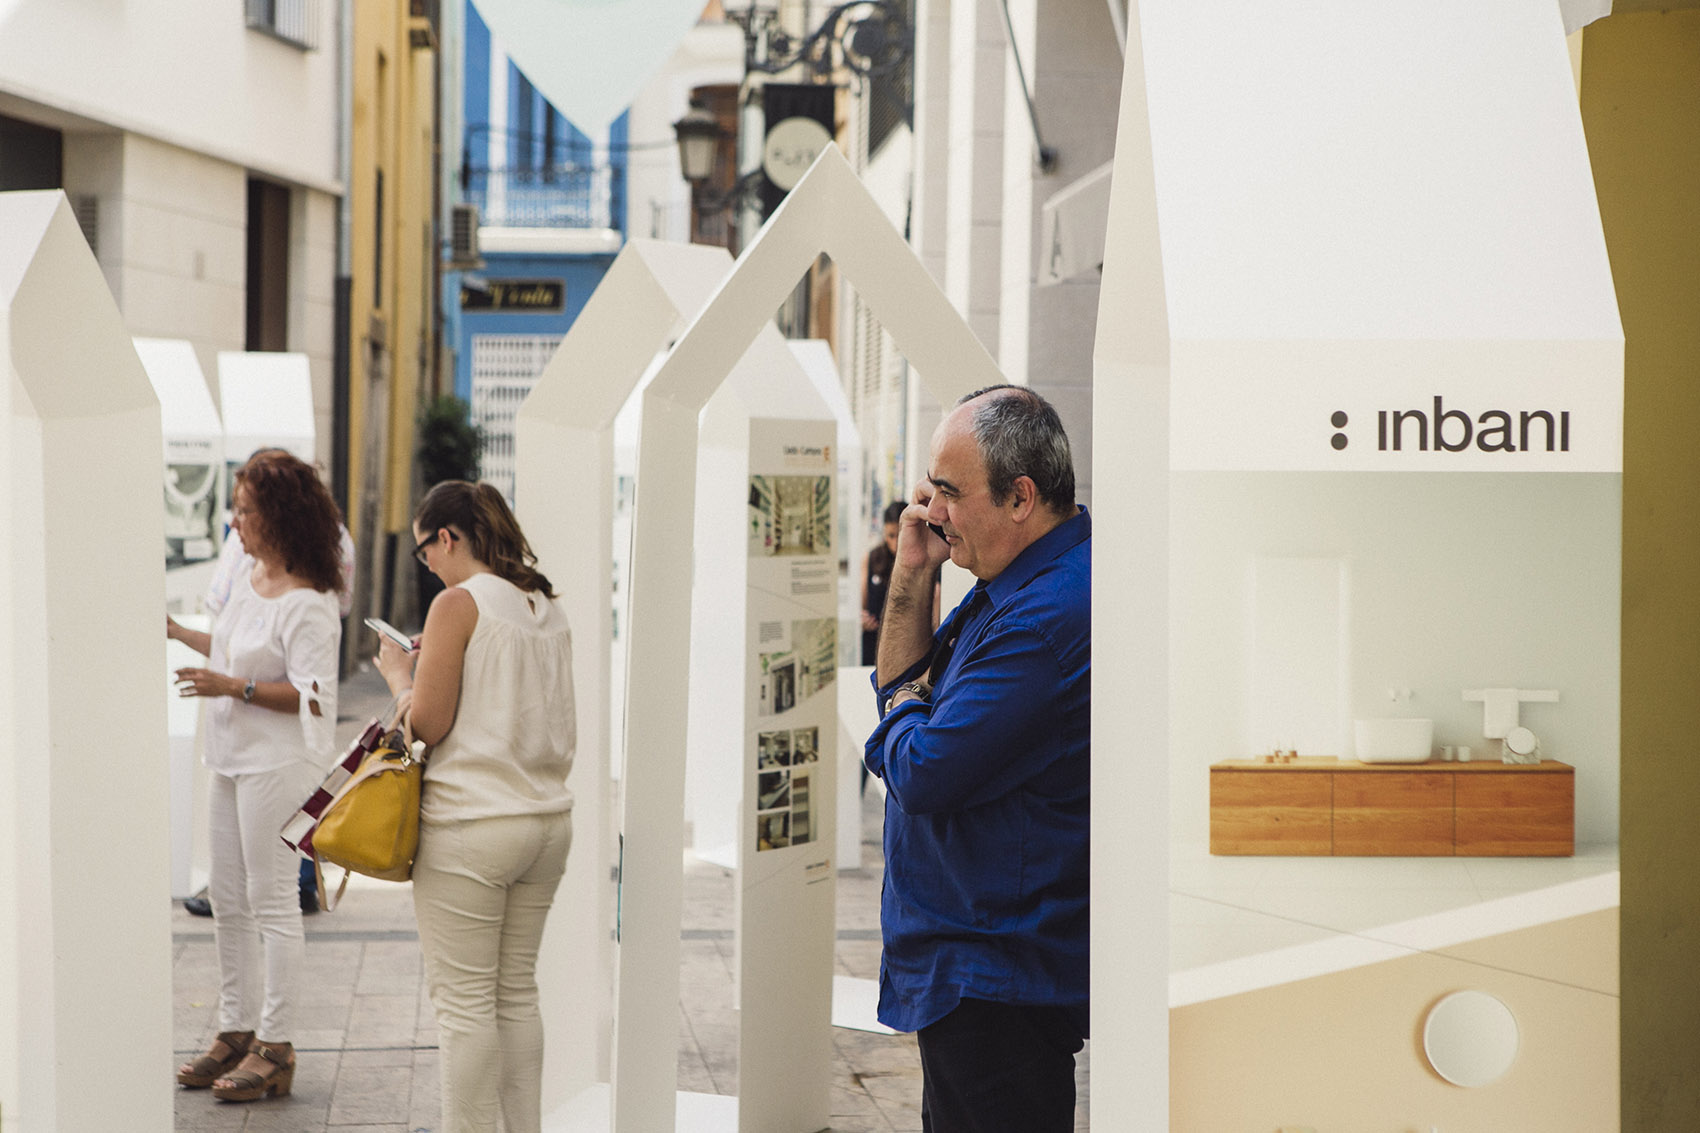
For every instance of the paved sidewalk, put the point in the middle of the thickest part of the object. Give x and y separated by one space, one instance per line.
367 1041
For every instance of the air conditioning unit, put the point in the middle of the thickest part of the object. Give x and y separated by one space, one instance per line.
463 239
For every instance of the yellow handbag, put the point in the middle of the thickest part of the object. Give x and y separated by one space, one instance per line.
372 825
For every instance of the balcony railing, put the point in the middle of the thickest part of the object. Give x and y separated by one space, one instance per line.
560 196
293 21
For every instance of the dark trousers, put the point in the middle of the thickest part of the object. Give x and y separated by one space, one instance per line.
997 1068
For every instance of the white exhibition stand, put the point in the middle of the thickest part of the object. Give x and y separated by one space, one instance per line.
85 973
851 536
774 372
564 498
858 716
828 211
194 455
1315 217
267 402
194 467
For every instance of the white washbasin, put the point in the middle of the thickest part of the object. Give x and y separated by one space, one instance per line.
1404 740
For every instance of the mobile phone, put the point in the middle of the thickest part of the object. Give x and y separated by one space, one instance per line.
937 530
387 630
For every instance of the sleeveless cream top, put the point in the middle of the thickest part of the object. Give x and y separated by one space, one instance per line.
515 729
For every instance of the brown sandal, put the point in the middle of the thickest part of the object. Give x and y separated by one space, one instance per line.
226 1051
269 1069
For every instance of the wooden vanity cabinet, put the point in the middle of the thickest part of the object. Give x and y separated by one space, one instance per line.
1320 806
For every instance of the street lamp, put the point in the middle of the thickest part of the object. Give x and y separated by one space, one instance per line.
698 135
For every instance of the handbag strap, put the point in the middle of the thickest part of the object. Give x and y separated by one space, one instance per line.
327 902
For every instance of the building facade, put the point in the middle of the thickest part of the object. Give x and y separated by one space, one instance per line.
198 145
549 201
388 279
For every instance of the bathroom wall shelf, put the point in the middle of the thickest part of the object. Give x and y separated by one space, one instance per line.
1321 806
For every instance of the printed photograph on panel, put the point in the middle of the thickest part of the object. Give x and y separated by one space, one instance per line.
805 746
777 691
790 515
773 831
773 790
802 811
191 520
773 749
814 641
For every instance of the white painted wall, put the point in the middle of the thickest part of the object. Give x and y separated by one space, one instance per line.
974 183
188 73
658 201
1456 580
173 248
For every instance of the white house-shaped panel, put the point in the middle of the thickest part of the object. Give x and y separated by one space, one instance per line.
83 766
828 212
564 453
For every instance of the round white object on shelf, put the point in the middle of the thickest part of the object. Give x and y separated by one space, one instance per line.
1470 1038
1522 741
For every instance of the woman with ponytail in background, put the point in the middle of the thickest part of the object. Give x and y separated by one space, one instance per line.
490 688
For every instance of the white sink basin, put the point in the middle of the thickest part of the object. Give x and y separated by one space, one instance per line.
1404 740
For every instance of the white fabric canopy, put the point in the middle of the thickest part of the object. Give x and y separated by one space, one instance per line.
589 58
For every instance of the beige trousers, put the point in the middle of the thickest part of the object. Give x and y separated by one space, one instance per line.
481 892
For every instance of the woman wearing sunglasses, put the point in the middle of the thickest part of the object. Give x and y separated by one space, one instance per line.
490 688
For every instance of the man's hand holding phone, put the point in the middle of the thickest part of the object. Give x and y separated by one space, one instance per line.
921 545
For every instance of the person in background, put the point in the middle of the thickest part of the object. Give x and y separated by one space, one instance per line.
272 676
876 580
231 558
985 744
491 688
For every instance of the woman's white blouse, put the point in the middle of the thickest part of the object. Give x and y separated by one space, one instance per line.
294 637
515 728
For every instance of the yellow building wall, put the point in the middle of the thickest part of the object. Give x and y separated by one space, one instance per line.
1641 110
393 302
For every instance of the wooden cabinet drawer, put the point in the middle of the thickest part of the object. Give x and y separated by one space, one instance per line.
1320 805
1516 814
1256 813
1392 813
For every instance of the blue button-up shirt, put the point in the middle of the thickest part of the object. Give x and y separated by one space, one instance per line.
988 799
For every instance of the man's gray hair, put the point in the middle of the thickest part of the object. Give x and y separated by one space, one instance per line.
1020 434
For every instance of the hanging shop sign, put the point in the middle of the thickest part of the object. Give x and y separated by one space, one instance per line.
800 121
515 296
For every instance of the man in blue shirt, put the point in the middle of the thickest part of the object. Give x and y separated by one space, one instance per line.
985 748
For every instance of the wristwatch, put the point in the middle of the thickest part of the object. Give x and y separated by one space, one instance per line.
914 688
248 692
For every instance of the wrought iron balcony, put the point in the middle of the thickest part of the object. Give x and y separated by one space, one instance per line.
556 196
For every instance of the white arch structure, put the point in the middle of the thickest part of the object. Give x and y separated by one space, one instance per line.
84 861
829 211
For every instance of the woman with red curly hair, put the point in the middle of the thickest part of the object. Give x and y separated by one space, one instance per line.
272 677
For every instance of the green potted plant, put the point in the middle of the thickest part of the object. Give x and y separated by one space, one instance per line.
450 443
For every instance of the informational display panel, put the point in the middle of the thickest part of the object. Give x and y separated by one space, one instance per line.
194 451
786 872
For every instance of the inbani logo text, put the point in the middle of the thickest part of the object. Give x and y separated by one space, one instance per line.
1453 430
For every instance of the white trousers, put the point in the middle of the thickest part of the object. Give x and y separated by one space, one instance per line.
481 892
256 896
